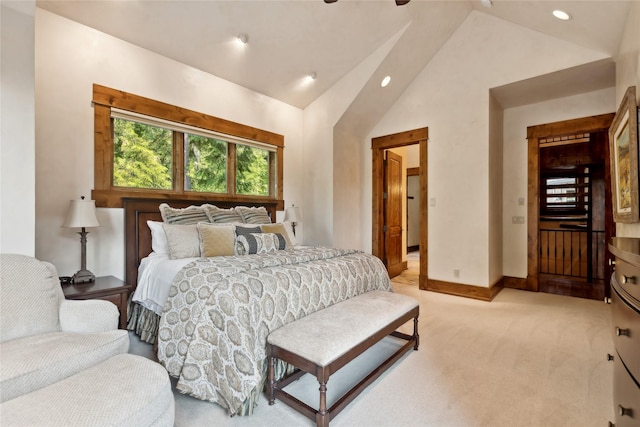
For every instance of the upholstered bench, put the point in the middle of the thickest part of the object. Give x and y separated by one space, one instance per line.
124 390
323 342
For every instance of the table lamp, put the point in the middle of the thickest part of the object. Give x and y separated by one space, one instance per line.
293 215
82 214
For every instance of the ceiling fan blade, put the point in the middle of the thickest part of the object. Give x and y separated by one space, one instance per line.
401 2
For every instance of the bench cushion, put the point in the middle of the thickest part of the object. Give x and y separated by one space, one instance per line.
125 390
325 335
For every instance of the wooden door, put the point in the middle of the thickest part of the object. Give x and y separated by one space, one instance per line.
570 143
393 213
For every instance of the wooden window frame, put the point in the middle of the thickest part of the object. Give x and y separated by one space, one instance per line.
109 196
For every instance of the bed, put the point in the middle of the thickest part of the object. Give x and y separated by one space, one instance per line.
212 328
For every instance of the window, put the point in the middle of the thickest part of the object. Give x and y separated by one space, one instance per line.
145 148
143 155
565 193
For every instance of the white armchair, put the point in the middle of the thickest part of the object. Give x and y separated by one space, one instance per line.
43 337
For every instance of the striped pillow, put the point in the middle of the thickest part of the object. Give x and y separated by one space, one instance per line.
243 231
254 215
260 243
278 228
219 215
190 215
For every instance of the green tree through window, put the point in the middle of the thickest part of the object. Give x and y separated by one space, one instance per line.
142 155
206 164
252 170
145 148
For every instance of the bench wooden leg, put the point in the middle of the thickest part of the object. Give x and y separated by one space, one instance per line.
322 417
415 333
271 378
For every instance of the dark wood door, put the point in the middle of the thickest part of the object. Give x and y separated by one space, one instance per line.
393 213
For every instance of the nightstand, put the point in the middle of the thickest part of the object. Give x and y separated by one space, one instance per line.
107 288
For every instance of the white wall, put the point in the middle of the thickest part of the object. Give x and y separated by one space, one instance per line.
69 59
17 136
496 178
516 121
628 74
451 98
331 162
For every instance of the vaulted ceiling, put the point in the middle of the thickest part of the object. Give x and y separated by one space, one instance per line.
287 40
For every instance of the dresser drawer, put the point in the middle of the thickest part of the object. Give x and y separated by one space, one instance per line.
626 333
626 397
628 277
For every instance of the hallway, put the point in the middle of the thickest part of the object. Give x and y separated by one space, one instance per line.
410 276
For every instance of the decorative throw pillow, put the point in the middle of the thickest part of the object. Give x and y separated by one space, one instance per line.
217 239
243 231
225 216
183 240
159 242
260 243
278 228
254 215
190 215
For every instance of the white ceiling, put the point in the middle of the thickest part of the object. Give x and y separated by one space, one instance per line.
290 39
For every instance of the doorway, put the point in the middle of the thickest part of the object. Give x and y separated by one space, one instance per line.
570 215
379 238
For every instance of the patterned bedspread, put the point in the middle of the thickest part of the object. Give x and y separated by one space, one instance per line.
213 332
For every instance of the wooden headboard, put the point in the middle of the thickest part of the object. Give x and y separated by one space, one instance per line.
137 235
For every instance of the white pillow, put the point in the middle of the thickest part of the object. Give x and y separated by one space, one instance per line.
184 241
159 242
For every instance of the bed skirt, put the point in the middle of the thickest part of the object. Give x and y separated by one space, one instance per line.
143 322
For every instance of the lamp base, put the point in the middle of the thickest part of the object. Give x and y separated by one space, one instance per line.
83 276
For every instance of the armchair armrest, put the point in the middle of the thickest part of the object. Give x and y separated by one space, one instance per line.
87 316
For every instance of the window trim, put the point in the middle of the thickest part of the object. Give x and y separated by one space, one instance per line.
107 195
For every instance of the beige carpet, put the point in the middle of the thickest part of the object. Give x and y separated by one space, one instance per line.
410 276
525 359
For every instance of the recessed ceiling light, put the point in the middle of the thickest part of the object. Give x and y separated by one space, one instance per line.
385 81
243 38
486 3
312 75
561 14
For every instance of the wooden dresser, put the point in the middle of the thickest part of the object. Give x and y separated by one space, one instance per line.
625 299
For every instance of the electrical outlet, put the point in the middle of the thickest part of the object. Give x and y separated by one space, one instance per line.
521 201
517 220
432 201
456 272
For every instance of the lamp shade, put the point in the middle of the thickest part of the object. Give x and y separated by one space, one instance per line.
292 214
82 213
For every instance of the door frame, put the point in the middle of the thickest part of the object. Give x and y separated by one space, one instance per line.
534 134
378 146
